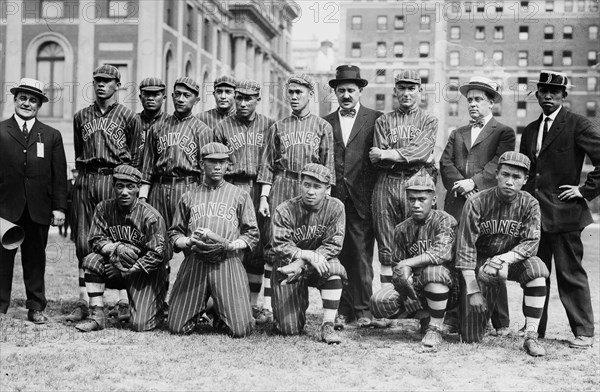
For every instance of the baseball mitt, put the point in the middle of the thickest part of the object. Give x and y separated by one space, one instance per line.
402 281
209 251
125 256
490 272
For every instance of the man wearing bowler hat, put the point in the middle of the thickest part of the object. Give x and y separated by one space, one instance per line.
353 126
468 164
557 143
33 192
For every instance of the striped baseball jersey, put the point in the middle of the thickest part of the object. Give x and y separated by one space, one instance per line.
146 122
142 226
173 147
412 134
106 139
212 117
490 226
245 140
435 237
297 228
293 142
226 210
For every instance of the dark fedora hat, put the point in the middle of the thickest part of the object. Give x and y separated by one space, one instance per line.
347 73
31 86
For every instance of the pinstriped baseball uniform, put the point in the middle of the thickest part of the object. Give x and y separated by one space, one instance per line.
146 123
488 227
297 228
212 117
143 227
434 237
101 141
246 141
228 211
412 134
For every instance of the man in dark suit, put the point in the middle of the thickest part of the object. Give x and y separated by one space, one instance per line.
557 143
469 163
353 126
33 192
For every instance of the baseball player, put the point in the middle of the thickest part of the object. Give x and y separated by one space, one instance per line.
290 144
244 133
308 233
403 144
213 209
423 276
106 134
224 90
152 96
498 237
127 238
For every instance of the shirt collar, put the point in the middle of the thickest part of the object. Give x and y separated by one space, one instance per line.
301 118
409 111
29 122
552 115
357 108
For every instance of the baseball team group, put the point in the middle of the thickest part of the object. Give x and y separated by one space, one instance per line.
264 209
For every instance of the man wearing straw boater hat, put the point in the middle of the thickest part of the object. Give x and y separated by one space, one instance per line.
557 143
33 193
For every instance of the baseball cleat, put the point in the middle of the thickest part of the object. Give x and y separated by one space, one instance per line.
381 323
261 315
532 345
433 336
328 334
36 317
363 322
340 322
80 312
504 332
123 314
95 322
581 342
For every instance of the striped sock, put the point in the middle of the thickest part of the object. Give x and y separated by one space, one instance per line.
331 292
95 288
267 287
437 298
385 276
123 298
83 295
534 296
255 283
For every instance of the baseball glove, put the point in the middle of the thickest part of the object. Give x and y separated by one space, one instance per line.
125 256
209 251
402 281
491 274
290 273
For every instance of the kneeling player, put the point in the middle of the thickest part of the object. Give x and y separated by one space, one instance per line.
498 237
422 257
128 240
308 233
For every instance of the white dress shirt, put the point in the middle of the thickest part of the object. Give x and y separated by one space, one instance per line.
29 122
475 131
346 123
540 137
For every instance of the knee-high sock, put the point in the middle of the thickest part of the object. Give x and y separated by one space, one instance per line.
437 298
95 289
534 296
123 298
267 287
255 283
83 295
331 292
385 276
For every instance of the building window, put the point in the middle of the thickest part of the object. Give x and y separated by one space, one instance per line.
219 45
425 22
379 101
523 33
380 76
524 4
357 22
453 83
52 9
523 58
468 7
594 6
455 32
424 49
454 58
453 109
498 57
170 12
479 57
381 49
479 32
206 35
398 49
590 107
188 69
549 5
424 73
548 32
522 84
355 49
548 57
189 24
382 22
567 58
592 82
120 9
592 57
581 5
399 22
480 8
568 5
521 109
593 32
568 32
51 69
499 32
499 8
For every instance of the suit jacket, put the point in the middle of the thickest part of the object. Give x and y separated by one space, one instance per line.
25 178
355 175
460 160
559 162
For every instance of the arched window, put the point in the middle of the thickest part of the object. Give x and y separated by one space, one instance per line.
50 69
188 69
169 76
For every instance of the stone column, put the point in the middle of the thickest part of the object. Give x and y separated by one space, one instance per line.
240 57
250 59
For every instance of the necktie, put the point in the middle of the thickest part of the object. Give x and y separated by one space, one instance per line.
476 123
25 131
546 120
348 112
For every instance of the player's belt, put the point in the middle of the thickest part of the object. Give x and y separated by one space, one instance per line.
172 180
233 179
289 174
97 170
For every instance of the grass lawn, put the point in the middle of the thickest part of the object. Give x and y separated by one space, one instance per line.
57 357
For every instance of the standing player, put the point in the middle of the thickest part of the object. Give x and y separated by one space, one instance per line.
244 133
152 96
308 233
402 146
557 144
224 91
291 143
423 256
498 236
127 237
106 134
227 211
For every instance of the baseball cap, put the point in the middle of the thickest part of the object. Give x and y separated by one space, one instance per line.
189 83
303 80
214 150
107 71
225 80
248 87
126 172
514 158
317 171
408 76
420 183
152 84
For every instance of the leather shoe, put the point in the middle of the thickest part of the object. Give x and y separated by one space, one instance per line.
36 317
363 322
581 342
